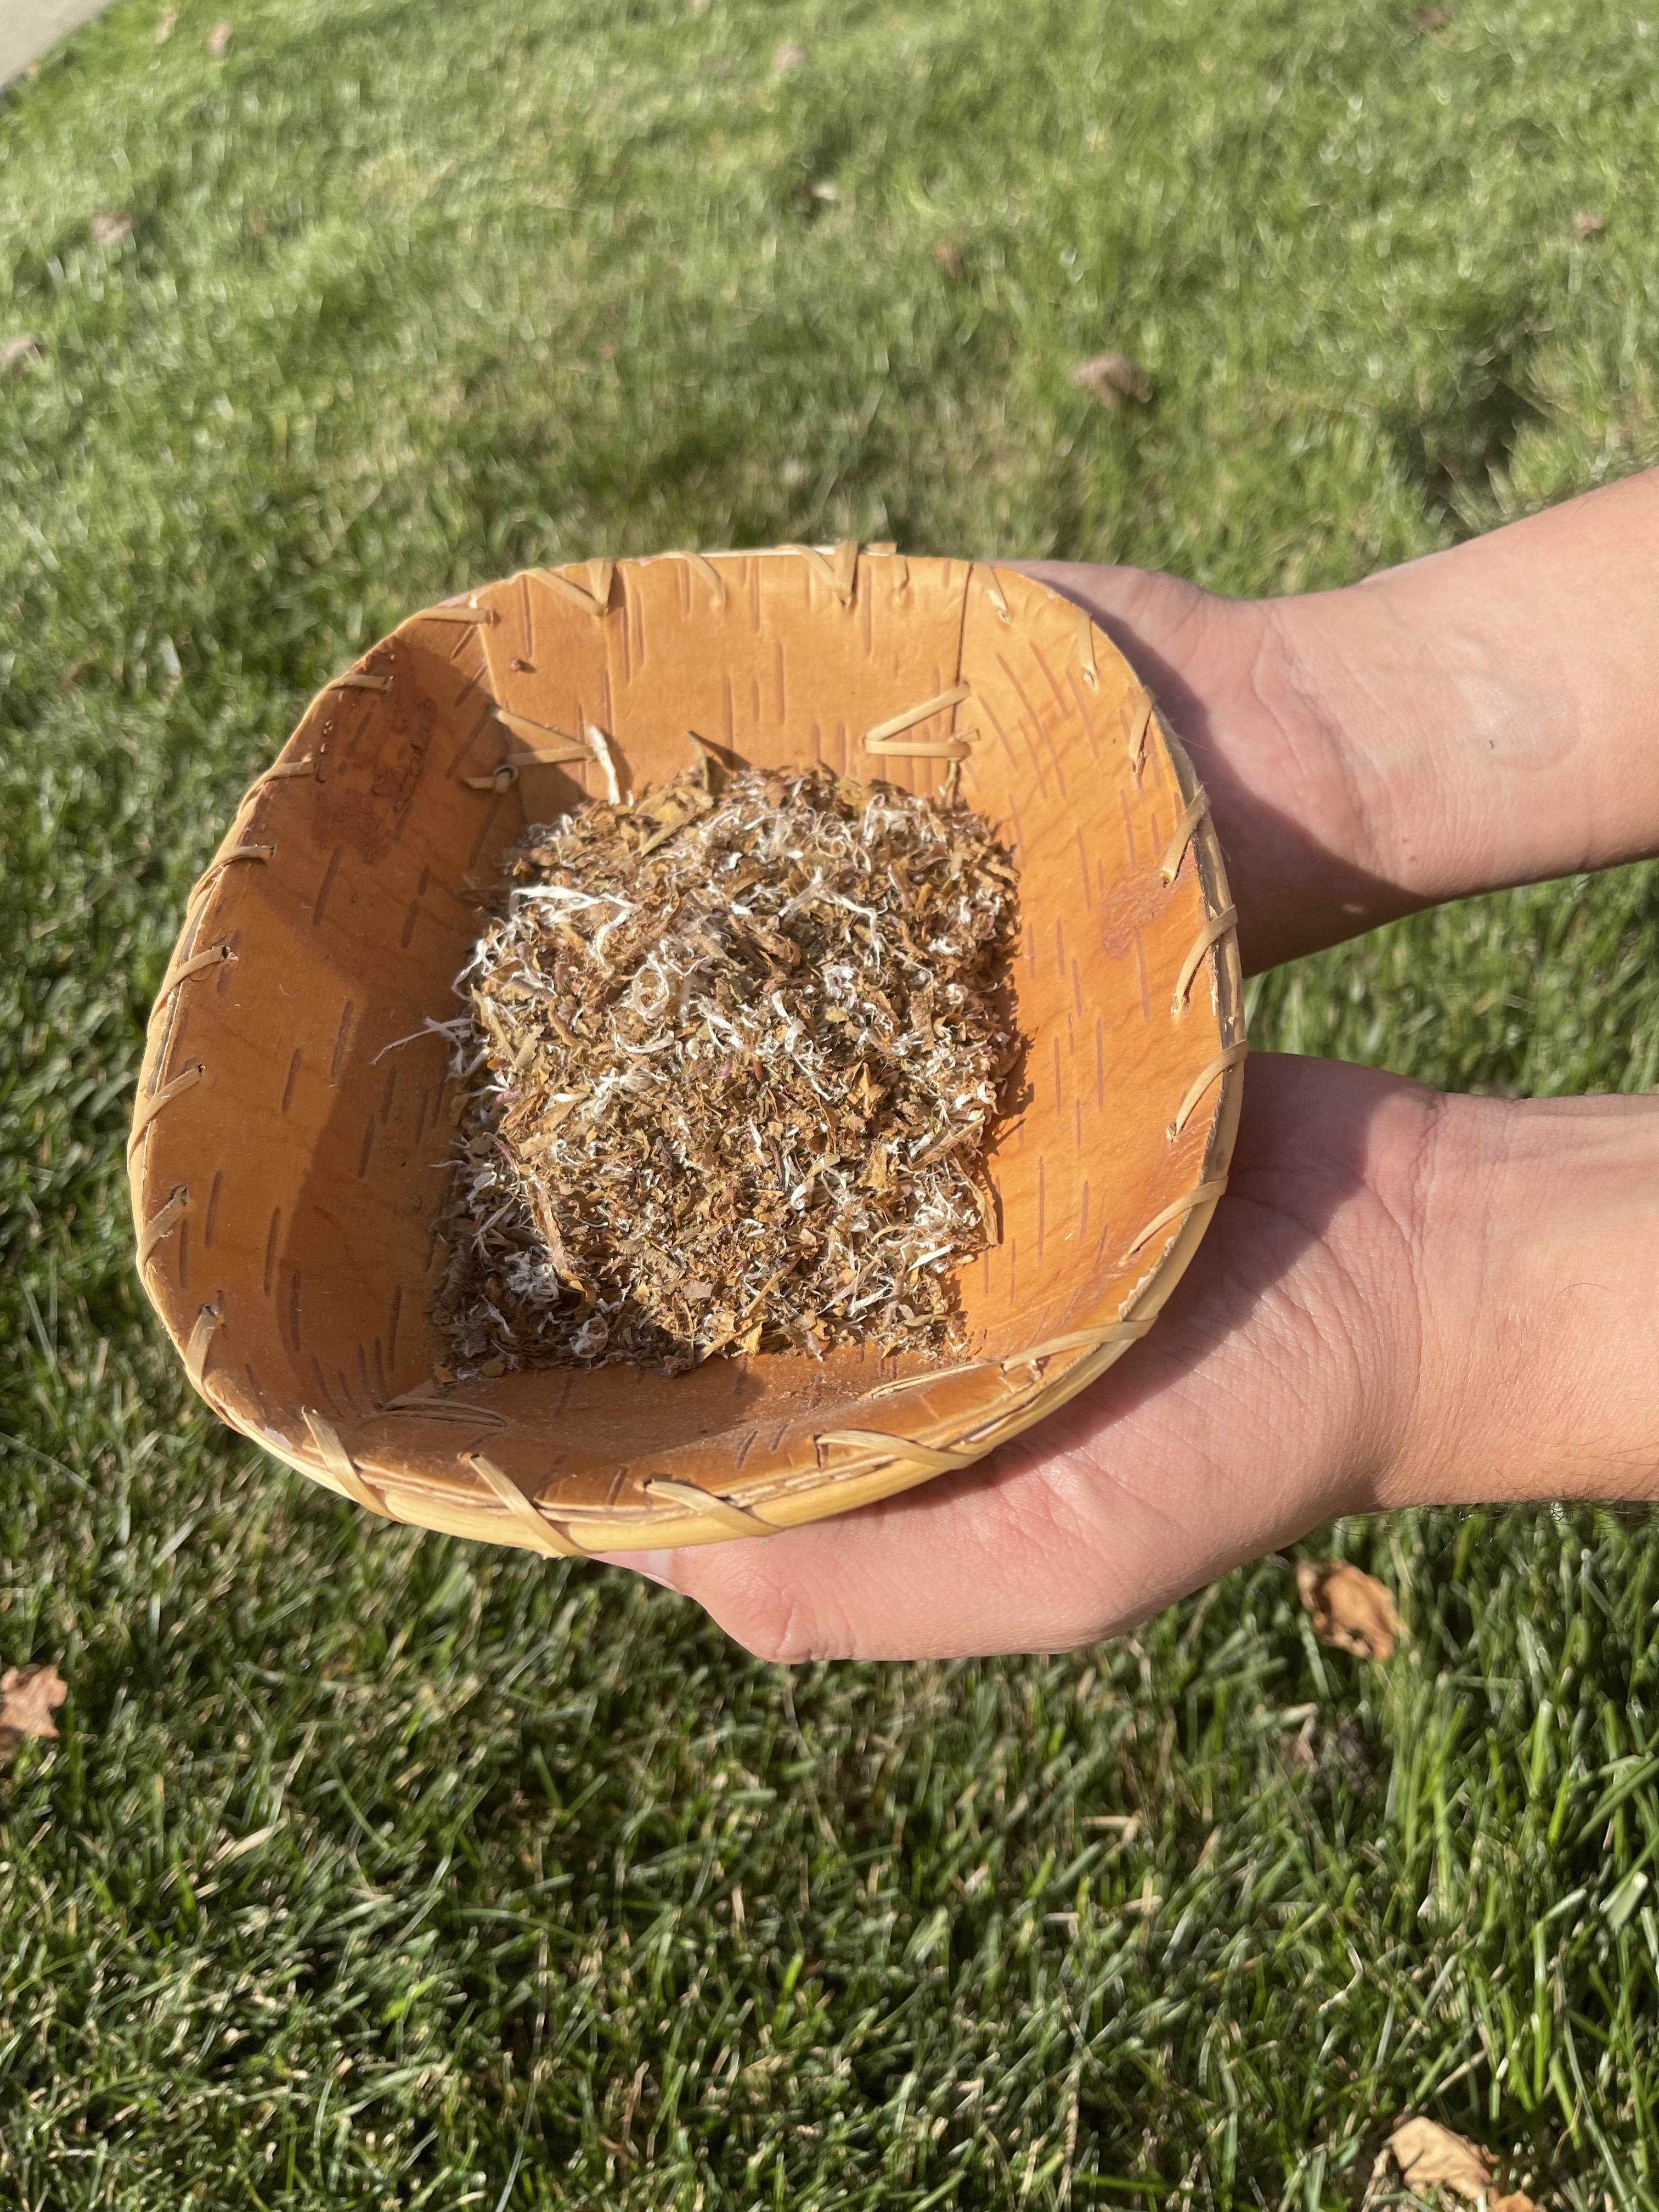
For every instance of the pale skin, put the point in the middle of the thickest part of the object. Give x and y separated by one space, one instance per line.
1404 1297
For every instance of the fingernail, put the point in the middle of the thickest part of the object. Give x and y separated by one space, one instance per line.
653 1565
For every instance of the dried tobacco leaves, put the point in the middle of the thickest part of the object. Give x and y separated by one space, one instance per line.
729 1062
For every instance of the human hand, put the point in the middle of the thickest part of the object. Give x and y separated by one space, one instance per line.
1473 720
1402 1299
1277 1388
1298 808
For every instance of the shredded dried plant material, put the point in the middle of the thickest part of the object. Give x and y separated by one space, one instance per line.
732 1058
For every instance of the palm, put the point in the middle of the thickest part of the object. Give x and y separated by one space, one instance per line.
1266 1398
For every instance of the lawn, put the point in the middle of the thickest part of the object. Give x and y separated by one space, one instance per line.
373 1869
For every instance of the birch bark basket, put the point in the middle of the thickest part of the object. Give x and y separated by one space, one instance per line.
287 1169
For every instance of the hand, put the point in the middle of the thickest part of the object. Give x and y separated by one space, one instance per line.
1477 718
1299 808
1276 1389
1402 1299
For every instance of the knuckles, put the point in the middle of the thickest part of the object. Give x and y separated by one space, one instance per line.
764 1606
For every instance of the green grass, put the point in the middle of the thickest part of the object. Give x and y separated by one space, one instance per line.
375 1870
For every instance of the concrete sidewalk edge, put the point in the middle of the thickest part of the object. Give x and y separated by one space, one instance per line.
29 28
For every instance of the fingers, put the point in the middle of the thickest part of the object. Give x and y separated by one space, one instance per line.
1054 1541
1262 1401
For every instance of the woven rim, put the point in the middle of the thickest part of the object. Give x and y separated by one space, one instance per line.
906 1428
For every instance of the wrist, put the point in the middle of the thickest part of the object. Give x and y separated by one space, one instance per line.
1539 1281
1488 706
1358 680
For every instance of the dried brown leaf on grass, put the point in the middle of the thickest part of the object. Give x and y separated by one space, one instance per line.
29 1696
165 25
111 225
1430 2156
948 257
24 351
1350 1609
1112 377
1586 225
218 41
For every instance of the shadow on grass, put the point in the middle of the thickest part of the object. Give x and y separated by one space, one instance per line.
1458 455
1457 443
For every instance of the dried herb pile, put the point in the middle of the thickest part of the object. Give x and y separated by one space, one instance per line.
732 1056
